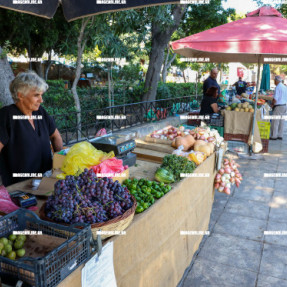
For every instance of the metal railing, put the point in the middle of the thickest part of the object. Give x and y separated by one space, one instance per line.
131 115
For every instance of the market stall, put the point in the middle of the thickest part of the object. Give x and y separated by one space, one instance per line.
172 213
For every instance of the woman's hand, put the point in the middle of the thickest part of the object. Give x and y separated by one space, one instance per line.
1 146
57 141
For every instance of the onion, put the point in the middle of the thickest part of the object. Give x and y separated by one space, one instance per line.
232 174
202 138
218 176
221 171
228 185
181 128
227 170
170 131
222 184
232 180
216 186
165 132
221 188
237 184
227 190
211 139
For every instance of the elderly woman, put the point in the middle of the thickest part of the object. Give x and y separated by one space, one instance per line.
209 103
26 130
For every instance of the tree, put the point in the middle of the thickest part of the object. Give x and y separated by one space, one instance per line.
6 76
198 18
161 32
34 35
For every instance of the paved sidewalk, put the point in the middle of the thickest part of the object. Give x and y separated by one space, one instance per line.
237 253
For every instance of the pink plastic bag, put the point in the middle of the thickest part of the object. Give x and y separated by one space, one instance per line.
101 132
6 204
112 165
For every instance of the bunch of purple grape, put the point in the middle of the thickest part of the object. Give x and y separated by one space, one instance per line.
88 199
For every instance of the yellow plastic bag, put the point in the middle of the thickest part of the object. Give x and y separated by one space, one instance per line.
80 156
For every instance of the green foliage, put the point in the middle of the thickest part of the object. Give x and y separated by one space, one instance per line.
58 100
37 35
5 49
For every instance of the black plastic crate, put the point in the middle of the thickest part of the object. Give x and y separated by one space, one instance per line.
50 270
217 121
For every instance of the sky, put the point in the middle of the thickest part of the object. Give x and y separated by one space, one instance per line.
241 6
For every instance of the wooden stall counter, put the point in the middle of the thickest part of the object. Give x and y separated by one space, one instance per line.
154 252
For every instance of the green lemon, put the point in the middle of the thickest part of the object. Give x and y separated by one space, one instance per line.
18 244
12 237
8 248
20 252
21 237
3 252
12 255
4 240
1 245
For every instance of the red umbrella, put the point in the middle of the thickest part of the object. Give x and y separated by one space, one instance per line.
262 34
260 37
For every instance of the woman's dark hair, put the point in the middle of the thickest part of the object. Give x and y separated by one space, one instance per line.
211 92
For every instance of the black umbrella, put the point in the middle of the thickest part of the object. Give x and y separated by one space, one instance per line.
75 9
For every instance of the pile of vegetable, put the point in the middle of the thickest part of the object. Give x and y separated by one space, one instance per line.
227 176
146 192
169 133
177 165
207 134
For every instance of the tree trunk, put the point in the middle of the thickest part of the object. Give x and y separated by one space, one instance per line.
6 76
38 68
184 76
81 43
110 89
48 66
160 39
166 65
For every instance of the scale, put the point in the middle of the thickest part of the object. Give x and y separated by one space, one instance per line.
121 144
23 199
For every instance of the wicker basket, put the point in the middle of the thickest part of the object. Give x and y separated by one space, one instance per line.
119 223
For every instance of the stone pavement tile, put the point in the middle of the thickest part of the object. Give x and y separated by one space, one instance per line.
267 281
257 193
214 217
281 184
274 261
210 274
278 204
232 251
241 226
248 208
276 239
279 197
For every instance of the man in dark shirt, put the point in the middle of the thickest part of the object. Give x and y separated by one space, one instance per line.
240 86
211 82
26 130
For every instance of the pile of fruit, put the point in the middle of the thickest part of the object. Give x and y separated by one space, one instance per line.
227 176
169 133
146 192
12 247
87 199
245 107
